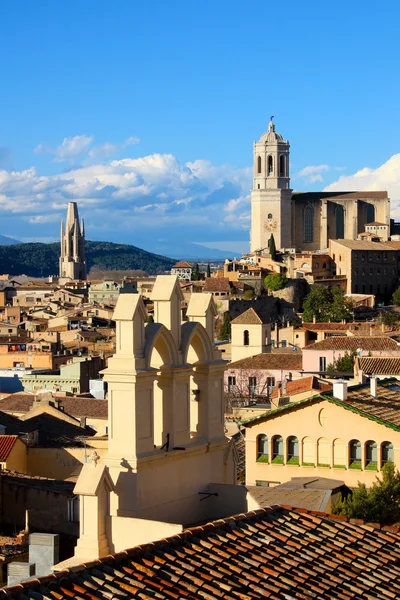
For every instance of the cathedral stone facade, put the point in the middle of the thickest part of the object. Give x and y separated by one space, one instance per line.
72 257
303 221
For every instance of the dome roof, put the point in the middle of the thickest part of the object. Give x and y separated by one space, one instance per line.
271 136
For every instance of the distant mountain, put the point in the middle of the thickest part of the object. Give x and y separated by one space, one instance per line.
41 260
189 251
7 241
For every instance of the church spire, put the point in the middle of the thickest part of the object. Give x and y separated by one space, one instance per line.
72 258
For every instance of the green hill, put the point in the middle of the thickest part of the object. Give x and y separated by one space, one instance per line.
41 260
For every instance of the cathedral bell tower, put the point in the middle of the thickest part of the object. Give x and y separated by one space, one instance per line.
271 196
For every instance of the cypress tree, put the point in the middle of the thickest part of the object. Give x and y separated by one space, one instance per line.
208 270
272 247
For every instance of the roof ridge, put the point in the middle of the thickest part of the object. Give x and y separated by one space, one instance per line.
213 525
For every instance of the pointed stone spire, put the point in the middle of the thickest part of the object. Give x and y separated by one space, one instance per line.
72 257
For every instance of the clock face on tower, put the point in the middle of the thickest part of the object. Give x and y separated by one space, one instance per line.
270 225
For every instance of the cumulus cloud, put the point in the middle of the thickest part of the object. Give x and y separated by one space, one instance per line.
384 177
144 194
312 173
80 146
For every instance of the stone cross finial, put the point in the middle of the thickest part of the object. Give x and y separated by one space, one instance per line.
94 457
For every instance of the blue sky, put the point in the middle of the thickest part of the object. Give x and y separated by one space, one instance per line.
145 112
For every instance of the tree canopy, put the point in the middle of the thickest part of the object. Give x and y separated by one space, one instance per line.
275 282
226 327
326 304
396 297
41 260
381 504
272 247
196 273
344 364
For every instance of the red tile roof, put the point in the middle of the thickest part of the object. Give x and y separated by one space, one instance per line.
379 365
217 284
305 384
22 402
278 553
268 361
346 342
7 443
249 317
182 264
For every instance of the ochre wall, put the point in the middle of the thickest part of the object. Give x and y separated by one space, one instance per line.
337 423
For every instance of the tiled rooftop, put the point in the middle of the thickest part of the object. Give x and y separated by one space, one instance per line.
384 409
379 365
309 499
345 342
217 284
298 386
269 361
22 402
276 553
249 317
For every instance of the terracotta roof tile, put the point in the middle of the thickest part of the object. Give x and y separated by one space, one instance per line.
383 409
268 361
182 264
349 343
249 317
276 553
217 284
7 443
379 365
22 402
304 384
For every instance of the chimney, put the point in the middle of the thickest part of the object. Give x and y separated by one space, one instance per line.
340 389
373 382
314 319
83 421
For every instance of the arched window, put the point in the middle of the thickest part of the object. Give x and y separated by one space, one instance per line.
355 454
387 453
269 216
308 223
282 166
246 337
371 455
270 165
339 217
259 164
293 450
262 448
277 449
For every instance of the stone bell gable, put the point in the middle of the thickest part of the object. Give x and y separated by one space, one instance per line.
166 421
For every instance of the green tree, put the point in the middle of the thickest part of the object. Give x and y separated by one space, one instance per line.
272 247
326 304
275 282
150 319
248 294
388 318
396 297
196 273
381 504
344 364
208 270
226 327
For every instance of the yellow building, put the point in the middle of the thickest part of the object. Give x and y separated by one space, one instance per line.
347 435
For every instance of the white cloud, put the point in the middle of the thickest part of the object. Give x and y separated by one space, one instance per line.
312 170
72 147
385 177
75 147
143 194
